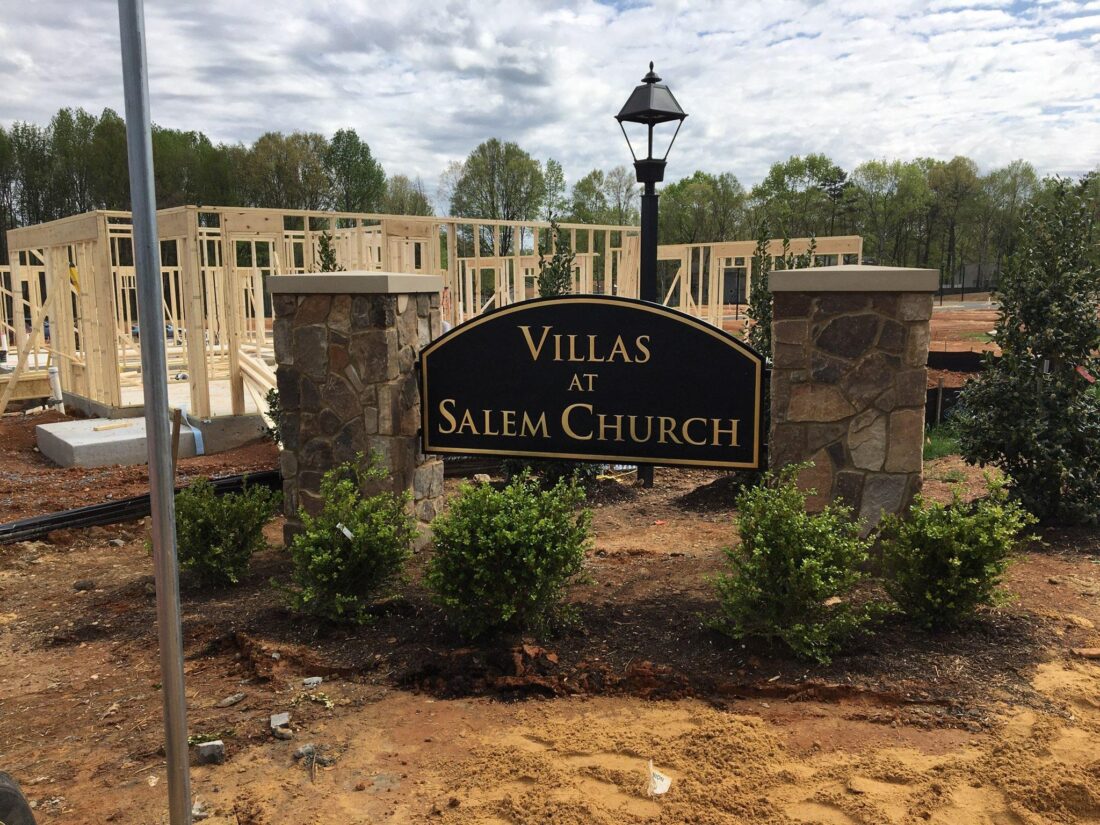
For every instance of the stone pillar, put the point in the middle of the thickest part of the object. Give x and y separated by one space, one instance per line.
848 384
346 345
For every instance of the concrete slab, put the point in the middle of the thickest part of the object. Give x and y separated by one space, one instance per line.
101 442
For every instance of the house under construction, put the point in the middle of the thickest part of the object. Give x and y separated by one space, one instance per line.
69 300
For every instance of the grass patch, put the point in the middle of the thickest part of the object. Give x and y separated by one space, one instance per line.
980 337
940 440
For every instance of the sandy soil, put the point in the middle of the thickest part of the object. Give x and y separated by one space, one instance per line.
32 485
995 725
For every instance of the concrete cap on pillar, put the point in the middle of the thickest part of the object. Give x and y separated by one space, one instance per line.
854 278
353 283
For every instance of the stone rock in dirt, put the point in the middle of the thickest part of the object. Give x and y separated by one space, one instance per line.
117 543
83 584
211 753
283 733
1087 652
1080 621
311 682
305 750
280 720
230 701
200 811
481 478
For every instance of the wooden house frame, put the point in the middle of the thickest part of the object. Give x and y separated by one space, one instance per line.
68 298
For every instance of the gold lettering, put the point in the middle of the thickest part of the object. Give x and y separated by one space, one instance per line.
508 422
557 347
575 384
604 427
666 425
529 428
488 430
446 413
592 350
648 429
535 349
565 424
642 347
687 435
731 432
618 348
467 422
573 349
591 376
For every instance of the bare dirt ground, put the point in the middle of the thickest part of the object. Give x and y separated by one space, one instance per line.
31 485
992 724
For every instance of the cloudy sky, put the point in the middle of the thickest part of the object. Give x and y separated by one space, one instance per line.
425 81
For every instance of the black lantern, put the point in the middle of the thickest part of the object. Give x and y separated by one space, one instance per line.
650 105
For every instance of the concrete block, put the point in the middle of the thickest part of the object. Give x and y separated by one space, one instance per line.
80 444
224 432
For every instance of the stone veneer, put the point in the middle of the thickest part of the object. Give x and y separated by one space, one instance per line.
848 384
346 345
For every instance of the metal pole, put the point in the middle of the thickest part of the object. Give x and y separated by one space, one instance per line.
150 301
647 275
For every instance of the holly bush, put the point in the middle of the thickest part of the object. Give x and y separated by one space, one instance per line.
1034 412
217 535
944 561
354 549
503 557
792 577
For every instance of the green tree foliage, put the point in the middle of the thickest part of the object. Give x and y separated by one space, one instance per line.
288 171
1033 412
555 203
358 180
354 549
760 298
589 202
605 198
503 558
556 272
326 254
8 177
919 212
703 208
217 535
110 168
792 577
499 180
943 562
802 195
406 197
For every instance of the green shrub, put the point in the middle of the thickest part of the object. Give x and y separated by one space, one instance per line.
217 535
502 558
550 472
792 576
1032 412
354 549
274 412
943 562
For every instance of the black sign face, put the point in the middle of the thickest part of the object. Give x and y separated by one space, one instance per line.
593 378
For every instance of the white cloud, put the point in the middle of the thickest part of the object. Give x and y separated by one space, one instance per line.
424 82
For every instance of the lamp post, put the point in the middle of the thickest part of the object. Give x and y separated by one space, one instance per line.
649 105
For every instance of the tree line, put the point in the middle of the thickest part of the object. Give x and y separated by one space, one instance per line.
78 163
920 212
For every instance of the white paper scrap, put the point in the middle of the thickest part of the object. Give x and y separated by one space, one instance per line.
344 530
658 782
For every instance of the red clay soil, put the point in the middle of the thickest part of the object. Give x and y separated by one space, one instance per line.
31 485
410 722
